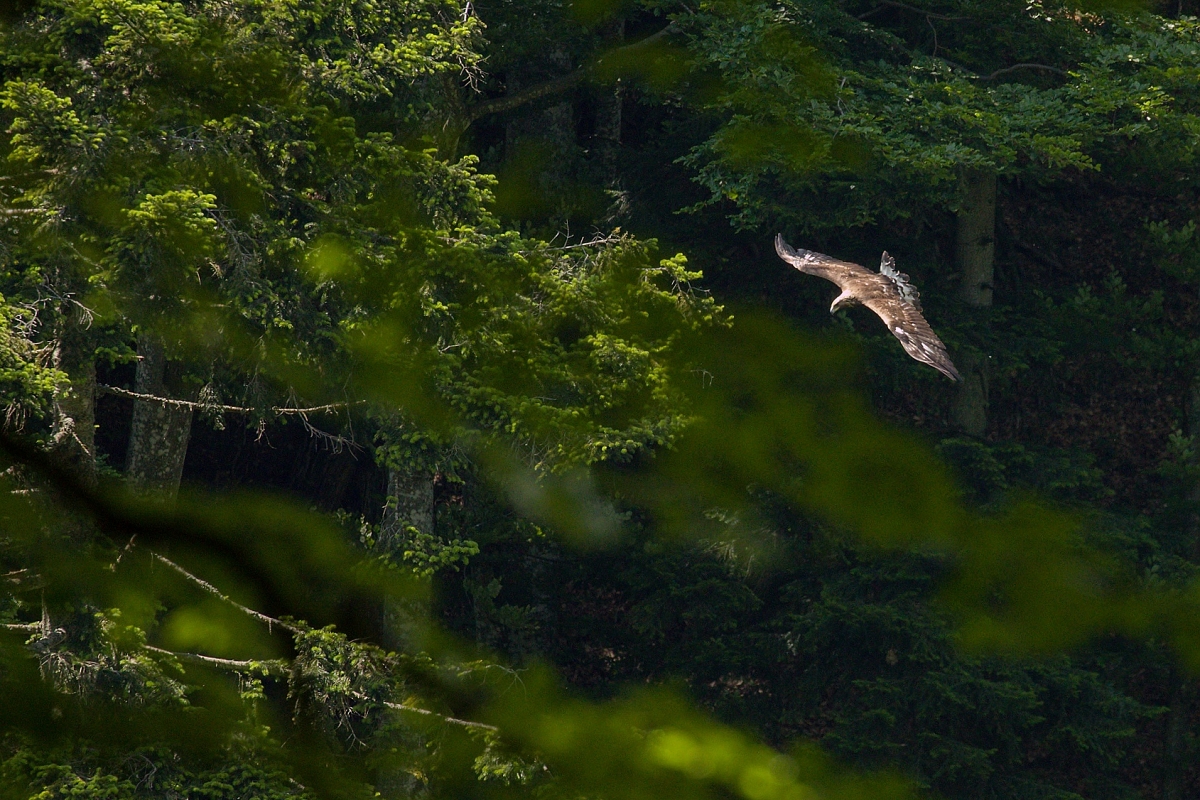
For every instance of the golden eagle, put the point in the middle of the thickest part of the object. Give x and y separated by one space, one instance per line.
887 292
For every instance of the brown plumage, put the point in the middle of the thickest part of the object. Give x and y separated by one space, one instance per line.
887 292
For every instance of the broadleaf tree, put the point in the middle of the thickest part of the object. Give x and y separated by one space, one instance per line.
260 244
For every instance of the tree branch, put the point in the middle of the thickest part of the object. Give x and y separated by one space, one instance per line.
30 627
272 666
466 723
1015 67
167 401
893 4
16 576
18 176
509 102
557 85
208 587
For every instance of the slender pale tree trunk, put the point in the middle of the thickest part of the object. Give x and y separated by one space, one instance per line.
158 436
409 513
410 504
975 252
74 433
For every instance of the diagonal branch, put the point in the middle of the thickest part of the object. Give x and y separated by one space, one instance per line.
272 666
1014 67
560 84
208 587
466 723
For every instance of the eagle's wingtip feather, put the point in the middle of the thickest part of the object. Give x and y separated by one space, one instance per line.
783 248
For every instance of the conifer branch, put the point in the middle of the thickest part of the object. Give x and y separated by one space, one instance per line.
196 406
466 723
272 666
16 576
208 587
30 627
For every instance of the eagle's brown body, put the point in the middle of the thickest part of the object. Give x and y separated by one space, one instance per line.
887 292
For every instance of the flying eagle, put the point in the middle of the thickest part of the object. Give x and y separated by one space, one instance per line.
887 292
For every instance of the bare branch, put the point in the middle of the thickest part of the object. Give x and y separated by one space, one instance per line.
466 723
208 587
560 84
272 666
509 102
1015 67
16 576
31 627
167 401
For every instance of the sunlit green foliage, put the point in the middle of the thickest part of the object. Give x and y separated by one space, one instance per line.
272 190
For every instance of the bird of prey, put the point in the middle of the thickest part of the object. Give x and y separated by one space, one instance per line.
887 292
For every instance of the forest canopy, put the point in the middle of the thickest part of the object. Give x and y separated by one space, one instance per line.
403 399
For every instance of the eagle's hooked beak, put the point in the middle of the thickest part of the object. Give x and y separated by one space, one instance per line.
843 299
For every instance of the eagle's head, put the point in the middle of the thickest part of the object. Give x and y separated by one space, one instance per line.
843 300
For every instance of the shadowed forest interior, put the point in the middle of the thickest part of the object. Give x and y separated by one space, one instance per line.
404 398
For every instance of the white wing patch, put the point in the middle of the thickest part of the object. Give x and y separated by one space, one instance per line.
888 293
908 292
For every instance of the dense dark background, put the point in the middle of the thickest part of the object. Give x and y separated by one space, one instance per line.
1087 354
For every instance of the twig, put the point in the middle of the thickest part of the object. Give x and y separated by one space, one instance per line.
168 401
1015 67
208 587
272 666
594 242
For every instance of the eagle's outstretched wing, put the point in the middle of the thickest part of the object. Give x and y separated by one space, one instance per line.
906 324
887 292
831 269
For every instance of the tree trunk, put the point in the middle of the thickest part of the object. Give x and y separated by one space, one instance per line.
609 110
409 513
975 252
1192 423
544 143
158 436
74 434
410 505
1176 755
